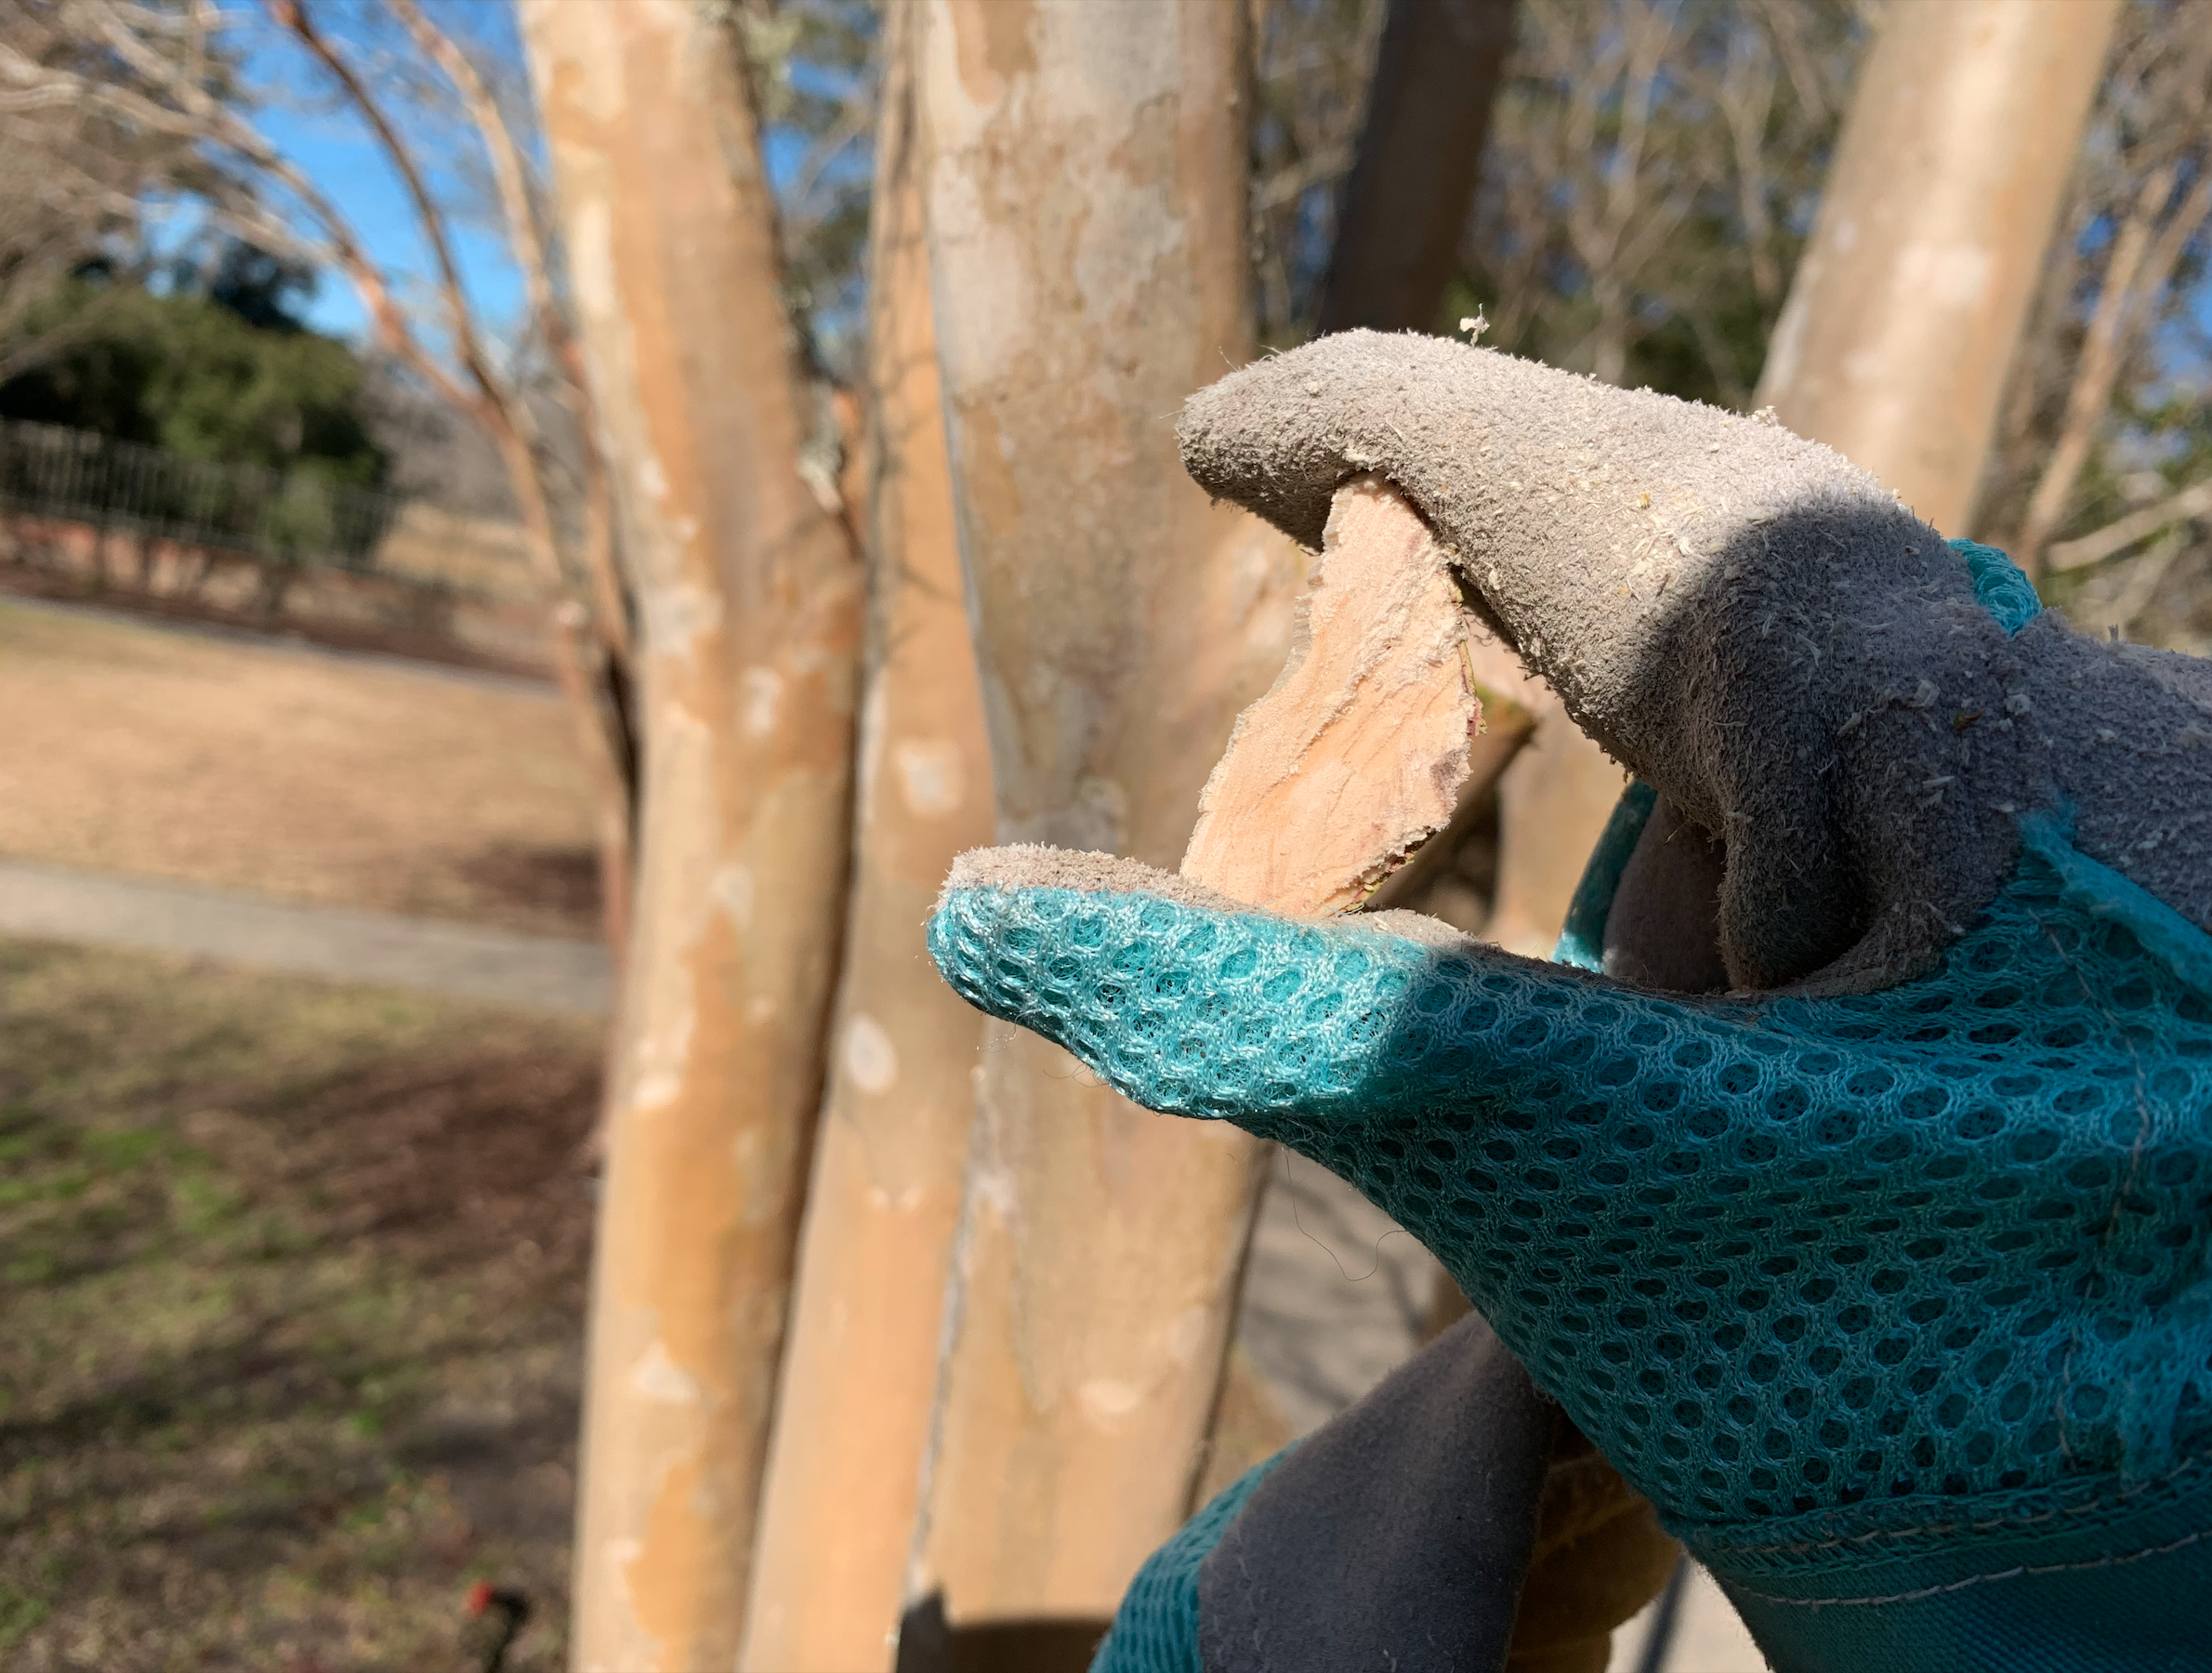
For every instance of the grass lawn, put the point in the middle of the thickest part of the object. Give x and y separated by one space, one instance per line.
281 770
292 1277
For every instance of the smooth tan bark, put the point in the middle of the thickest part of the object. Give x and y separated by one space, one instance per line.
836 1519
1908 303
1086 169
749 605
1553 802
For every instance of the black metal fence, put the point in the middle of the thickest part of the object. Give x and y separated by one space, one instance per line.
295 516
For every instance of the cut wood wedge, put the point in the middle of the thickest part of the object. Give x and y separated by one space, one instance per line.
1359 752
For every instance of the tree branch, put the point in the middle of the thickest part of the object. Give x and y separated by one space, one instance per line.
514 428
526 235
2097 368
1291 182
2192 502
292 17
516 204
2142 260
1747 101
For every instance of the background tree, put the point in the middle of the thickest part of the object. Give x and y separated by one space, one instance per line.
1905 316
80 178
1653 173
1640 212
1647 181
2103 442
750 610
890 1151
818 66
216 367
1311 61
1121 624
407 82
1405 199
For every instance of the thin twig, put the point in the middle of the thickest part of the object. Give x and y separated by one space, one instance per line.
293 17
2192 502
2142 260
526 235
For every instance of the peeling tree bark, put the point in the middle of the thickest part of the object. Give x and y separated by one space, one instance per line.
1907 305
852 1415
1087 203
749 606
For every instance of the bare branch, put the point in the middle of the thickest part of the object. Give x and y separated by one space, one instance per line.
525 230
1287 185
293 17
2142 260
2138 579
200 116
2137 271
855 119
2192 502
79 158
526 237
45 97
158 73
1746 100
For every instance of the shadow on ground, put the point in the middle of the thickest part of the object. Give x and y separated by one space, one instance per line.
554 884
294 1280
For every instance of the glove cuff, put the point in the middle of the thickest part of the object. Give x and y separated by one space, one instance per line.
2019 1580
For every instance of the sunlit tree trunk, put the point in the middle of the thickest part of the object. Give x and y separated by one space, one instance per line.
749 600
1087 223
853 1417
1907 305
1553 801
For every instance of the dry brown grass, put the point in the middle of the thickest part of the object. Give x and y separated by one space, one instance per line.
292 1275
292 774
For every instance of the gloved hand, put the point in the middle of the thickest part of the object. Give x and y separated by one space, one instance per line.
1883 1274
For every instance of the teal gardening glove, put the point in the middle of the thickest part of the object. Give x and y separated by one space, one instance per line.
1881 1272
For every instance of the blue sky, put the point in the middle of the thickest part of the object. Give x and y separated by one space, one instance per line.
339 155
335 152
351 169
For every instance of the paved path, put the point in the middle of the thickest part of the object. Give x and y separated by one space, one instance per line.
1710 1636
539 972
1335 1293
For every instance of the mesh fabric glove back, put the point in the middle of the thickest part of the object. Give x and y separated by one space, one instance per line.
1831 1281
1155 1631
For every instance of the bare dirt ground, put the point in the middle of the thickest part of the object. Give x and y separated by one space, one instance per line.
293 1276
301 774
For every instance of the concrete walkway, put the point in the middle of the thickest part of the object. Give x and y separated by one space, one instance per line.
536 972
1335 1293
1710 1636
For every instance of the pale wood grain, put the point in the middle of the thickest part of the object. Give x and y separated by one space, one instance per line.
1358 753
